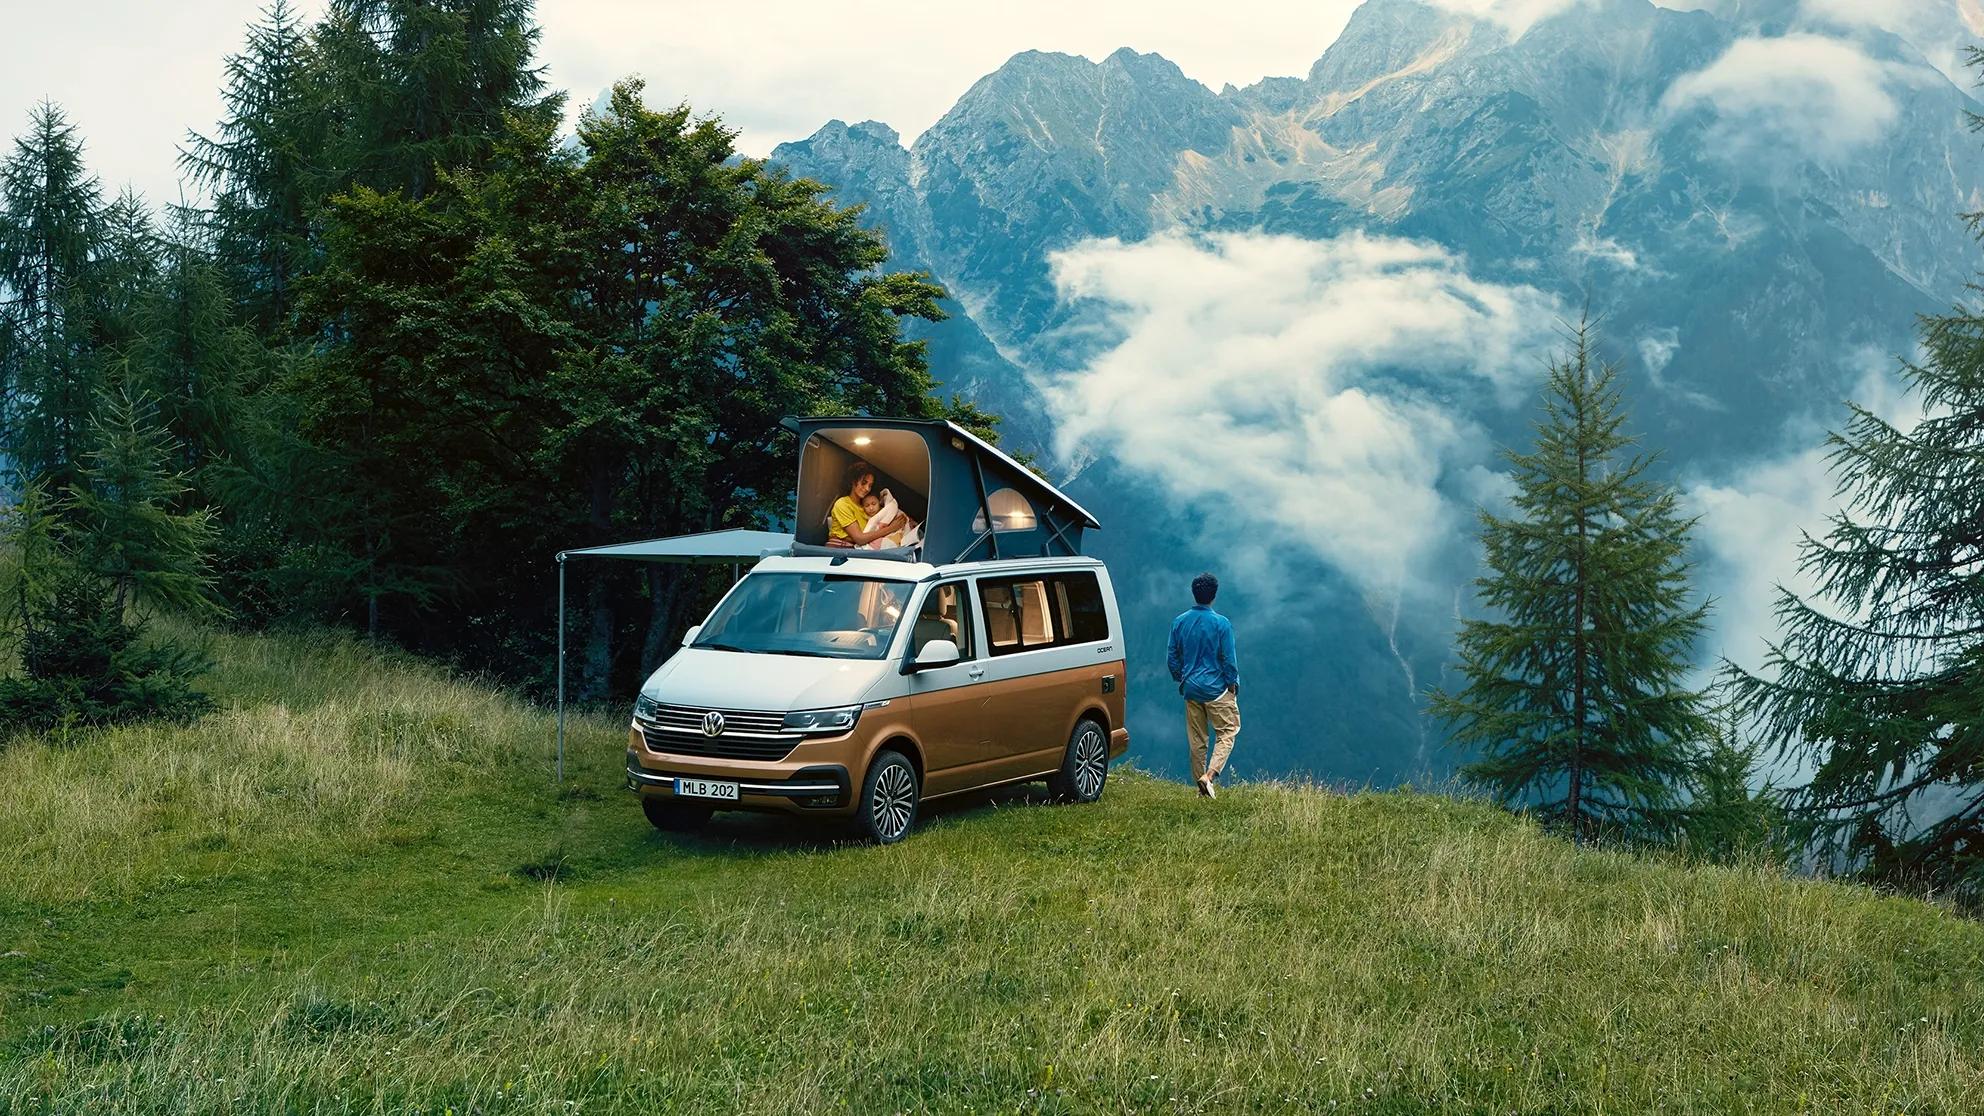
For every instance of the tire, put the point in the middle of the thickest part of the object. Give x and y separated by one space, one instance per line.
672 816
889 797
1085 769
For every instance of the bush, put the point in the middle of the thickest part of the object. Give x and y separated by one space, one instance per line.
83 663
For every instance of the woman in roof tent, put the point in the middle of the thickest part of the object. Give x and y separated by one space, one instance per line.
847 522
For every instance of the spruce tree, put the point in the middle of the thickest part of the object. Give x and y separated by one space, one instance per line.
52 233
84 658
265 164
1729 816
120 280
427 85
1877 683
1575 701
193 357
126 529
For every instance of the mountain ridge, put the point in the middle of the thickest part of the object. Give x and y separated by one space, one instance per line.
1754 202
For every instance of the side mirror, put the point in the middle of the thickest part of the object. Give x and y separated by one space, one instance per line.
689 636
936 653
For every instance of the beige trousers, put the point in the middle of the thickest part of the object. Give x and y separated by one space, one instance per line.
1224 714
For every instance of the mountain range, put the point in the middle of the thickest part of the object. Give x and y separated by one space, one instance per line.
1279 331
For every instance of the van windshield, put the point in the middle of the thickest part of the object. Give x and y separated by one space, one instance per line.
830 615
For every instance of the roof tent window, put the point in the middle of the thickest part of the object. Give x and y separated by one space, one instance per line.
1010 512
899 460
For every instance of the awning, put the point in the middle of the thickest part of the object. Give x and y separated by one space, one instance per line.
713 548
732 547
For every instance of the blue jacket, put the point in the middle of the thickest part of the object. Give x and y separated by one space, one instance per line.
1202 659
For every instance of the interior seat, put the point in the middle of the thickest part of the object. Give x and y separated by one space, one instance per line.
929 628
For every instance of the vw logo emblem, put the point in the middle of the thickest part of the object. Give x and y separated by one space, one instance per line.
712 723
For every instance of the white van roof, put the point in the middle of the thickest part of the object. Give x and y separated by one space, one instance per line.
888 570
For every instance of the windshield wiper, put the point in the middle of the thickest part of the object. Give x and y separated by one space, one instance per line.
723 647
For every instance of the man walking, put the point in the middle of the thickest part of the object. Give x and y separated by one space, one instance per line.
1203 664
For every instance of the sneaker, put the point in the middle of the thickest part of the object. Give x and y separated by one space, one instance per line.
1212 786
1205 787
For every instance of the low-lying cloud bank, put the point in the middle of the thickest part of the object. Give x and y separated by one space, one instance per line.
1753 518
1822 93
1300 392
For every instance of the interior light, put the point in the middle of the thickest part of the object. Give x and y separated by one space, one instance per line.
863 440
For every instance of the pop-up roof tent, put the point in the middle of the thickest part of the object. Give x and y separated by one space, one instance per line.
974 501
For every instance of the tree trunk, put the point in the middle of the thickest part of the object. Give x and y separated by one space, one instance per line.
1573 802
371 589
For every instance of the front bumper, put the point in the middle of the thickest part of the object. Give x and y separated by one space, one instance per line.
818 787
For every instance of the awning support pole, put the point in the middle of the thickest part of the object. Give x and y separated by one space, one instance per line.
561 667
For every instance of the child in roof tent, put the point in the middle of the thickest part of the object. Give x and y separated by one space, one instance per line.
883 510
846 519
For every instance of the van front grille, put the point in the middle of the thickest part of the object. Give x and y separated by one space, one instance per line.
747 734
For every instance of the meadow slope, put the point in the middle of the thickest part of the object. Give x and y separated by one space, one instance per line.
354 889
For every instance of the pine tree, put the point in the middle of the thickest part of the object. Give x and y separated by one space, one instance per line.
51 235
1729 817
1878 684
265 164
125 530
192 356
1575 695
429 84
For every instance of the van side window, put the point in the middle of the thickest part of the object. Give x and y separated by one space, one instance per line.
945 615
1002 616
1050 610
1080 598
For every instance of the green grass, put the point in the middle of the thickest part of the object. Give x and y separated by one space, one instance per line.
353 889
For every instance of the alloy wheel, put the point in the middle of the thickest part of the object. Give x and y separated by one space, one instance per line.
1091 762
895 800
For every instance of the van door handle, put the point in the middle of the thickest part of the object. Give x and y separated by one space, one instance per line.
976 673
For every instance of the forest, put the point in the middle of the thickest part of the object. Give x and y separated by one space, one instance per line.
410 342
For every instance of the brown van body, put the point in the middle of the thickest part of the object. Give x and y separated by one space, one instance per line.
960 739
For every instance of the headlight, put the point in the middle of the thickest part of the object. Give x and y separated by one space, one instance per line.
647 707
823 720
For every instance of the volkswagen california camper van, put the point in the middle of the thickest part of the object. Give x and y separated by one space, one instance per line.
858 680
860 688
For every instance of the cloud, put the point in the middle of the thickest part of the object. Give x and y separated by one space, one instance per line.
1518 16
1940 29
1605 249
1818 94
1515 16
1753 519
1304 392
1657 350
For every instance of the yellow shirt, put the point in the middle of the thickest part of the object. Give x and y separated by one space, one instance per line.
845 514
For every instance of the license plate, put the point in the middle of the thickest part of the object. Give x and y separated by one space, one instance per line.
705 788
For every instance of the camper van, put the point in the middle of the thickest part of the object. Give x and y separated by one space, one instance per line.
858 680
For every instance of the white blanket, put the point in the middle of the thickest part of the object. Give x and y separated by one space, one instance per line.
888 511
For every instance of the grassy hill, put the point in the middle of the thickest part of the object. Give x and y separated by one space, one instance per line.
354 889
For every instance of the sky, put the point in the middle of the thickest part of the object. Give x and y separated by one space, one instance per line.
134 75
